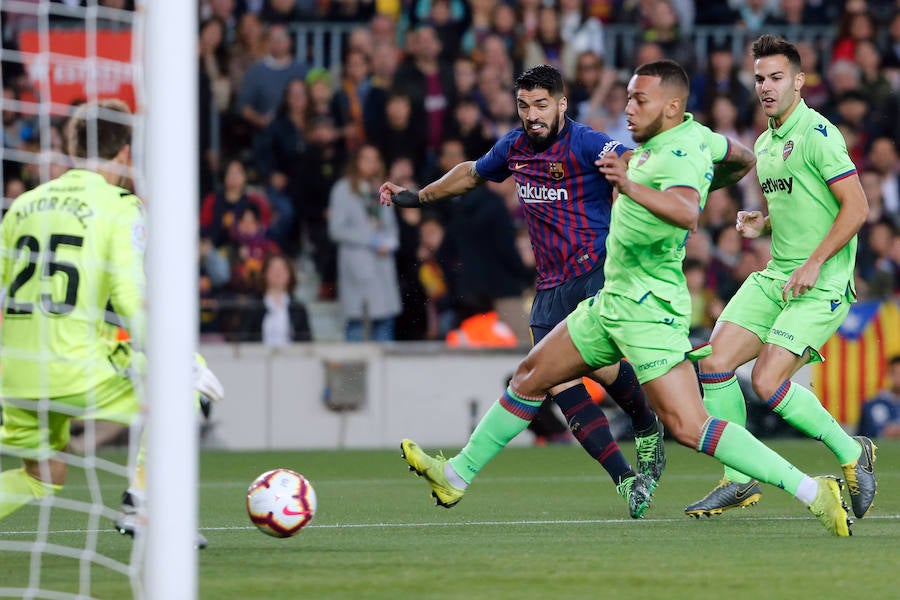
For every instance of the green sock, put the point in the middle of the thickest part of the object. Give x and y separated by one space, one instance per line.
734 446
724 400
506 419
802 409
18 488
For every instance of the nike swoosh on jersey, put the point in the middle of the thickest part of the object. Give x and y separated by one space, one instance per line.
520 166
835 304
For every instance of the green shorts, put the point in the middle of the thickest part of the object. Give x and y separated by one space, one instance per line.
25 433
650 334
801 323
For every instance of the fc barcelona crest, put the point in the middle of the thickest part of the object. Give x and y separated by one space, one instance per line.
556 171
788 146
643 157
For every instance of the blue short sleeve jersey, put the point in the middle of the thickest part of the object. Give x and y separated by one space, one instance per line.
567 201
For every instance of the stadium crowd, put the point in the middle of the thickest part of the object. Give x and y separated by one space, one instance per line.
425 84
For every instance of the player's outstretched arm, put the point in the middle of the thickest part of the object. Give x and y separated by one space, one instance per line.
457 181
737 163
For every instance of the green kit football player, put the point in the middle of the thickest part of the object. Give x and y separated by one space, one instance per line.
71 261
643 311
781 315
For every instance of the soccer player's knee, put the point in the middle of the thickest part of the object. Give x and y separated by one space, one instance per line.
764 384
713 364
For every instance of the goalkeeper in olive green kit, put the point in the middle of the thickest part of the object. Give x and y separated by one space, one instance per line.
71 263
783 314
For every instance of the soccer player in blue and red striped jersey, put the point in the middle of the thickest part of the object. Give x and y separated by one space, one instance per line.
567 204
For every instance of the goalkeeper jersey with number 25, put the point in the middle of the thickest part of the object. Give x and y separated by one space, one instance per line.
72 251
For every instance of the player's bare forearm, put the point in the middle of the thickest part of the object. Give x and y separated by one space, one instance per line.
455 182
739 161
851 216
679 206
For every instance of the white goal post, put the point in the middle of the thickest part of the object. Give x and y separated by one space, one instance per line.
171 161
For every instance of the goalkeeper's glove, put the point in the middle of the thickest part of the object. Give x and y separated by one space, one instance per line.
406 199
205 382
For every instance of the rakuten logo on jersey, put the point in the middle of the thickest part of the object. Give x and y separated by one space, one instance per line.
532 194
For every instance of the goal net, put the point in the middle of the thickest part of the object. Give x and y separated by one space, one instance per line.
56 55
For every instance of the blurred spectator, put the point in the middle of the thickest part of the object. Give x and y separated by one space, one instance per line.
647 52
215 273
263 85
13 132
366 235
220 210
882 274
346 10
449 24
853 27
752 14
384 29
582 32
885 161
663 29
429 84
588 88
319 167
547 46
610 116
720 79
495 56
249 248
214 97
480 24
723 275
250 46
705 305
281 12
875 86
469 129
890 55
280 151
349 100
505 27
320 92
397 134
815 88
223 10
465 77
880 416
278 318
385 60
435 270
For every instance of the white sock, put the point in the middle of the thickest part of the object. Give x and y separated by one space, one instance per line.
454 478
807 490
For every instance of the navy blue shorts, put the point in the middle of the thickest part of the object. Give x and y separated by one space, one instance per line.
554 305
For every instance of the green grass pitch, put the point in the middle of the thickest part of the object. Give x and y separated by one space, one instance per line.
537 523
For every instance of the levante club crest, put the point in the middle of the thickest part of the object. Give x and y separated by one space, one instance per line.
643 157
556 171
788 147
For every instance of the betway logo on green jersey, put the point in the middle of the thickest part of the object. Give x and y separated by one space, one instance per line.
534 194
778 185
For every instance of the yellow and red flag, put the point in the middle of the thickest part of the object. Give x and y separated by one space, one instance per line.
856 359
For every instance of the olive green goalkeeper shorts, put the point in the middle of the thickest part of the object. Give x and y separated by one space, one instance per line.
30 432
800 324
650 334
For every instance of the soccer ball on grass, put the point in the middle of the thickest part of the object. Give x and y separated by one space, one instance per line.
281 502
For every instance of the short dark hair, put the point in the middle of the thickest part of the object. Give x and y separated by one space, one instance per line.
545 77
669 72
770 45
894 360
